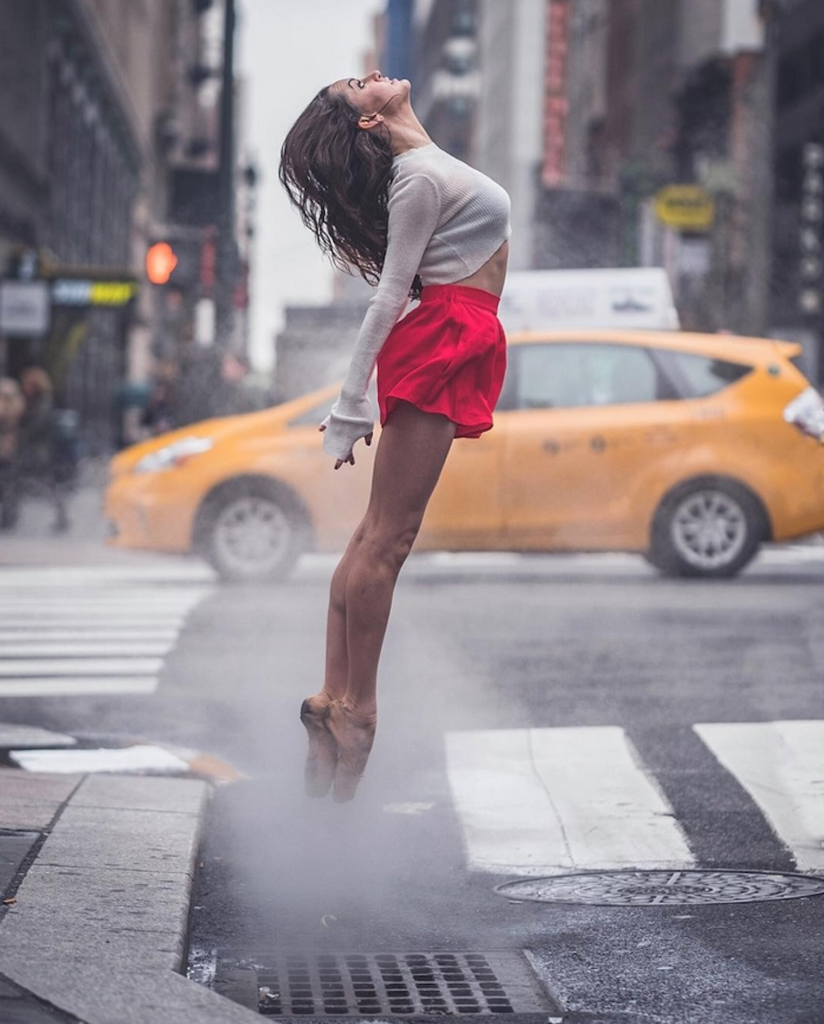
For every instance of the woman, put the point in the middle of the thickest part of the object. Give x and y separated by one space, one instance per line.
383 199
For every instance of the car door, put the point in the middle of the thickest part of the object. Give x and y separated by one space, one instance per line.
586 418
466 508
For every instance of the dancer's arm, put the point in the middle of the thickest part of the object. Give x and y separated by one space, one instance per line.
414 208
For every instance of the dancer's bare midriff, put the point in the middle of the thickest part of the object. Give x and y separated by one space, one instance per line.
492 274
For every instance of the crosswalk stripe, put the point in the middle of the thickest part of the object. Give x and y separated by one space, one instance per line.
70 616
96 631
92 630
196 574
38 648
535 801
144 601
781 765
76 687
20 668
130 595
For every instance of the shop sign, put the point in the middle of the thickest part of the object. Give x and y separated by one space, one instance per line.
67 291
24 308
810 236
556 101
686 207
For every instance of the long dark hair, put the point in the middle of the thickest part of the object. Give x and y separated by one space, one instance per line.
338 177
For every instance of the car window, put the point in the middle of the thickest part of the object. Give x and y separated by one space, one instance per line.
550 377
570 375
697 376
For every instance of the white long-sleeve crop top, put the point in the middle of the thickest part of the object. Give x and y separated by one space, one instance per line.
446 220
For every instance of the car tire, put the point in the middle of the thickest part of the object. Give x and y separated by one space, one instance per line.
251 531
710 527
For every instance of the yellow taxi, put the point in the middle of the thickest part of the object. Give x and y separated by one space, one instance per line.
687 448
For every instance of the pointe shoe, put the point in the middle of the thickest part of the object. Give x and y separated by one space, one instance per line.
354 734
323 751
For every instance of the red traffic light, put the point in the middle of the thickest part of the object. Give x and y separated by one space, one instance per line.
160 262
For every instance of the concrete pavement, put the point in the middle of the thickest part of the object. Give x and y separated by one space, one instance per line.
97 874
96 871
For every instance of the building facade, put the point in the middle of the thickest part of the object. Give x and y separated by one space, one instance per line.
445 73
797 274
101 100
644 95
509 133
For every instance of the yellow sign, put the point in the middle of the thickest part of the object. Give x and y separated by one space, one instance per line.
688 207
112 293
67 291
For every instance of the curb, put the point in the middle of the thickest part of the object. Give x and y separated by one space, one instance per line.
98 927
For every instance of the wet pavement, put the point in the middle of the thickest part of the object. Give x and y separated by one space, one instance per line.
593 691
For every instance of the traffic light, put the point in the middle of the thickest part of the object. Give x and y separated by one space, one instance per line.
161 260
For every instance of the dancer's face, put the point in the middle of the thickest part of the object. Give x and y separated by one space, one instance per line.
374 94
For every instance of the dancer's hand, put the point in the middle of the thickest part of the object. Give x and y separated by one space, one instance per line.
350 458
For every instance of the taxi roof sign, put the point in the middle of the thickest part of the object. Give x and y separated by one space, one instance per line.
687 207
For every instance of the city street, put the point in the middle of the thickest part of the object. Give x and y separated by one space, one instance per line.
245 243
539 715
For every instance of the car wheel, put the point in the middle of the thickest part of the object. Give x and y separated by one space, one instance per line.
708 528
249 532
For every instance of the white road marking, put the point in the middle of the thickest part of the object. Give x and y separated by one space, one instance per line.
99 631
781 765
139 758
91 630
19 668
101 597
37 648
120 616
79 686
161 572
537 801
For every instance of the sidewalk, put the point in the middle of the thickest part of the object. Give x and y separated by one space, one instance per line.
33 541
96 873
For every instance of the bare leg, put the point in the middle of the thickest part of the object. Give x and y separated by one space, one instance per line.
336 679
411 454
322 758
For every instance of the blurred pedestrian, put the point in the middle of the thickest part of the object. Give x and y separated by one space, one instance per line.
381 198
12 406
38 443
160 414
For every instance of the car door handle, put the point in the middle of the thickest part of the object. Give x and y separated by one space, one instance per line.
597 443
551 447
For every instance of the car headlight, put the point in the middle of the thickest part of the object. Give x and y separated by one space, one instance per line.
175 454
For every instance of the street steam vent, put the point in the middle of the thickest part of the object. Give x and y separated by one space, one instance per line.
662 888
394 984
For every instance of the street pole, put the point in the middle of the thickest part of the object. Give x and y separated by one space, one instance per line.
758 101
225 255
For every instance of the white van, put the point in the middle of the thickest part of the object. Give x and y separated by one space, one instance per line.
631 297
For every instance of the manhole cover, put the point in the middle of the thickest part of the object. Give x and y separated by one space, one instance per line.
662 888
382 984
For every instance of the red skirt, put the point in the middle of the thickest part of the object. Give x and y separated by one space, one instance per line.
447 356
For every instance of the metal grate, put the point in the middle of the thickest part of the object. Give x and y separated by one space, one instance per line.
384 984
662 888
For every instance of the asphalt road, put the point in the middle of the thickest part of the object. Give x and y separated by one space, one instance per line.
538 716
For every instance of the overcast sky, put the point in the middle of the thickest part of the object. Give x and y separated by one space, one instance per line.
287 50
